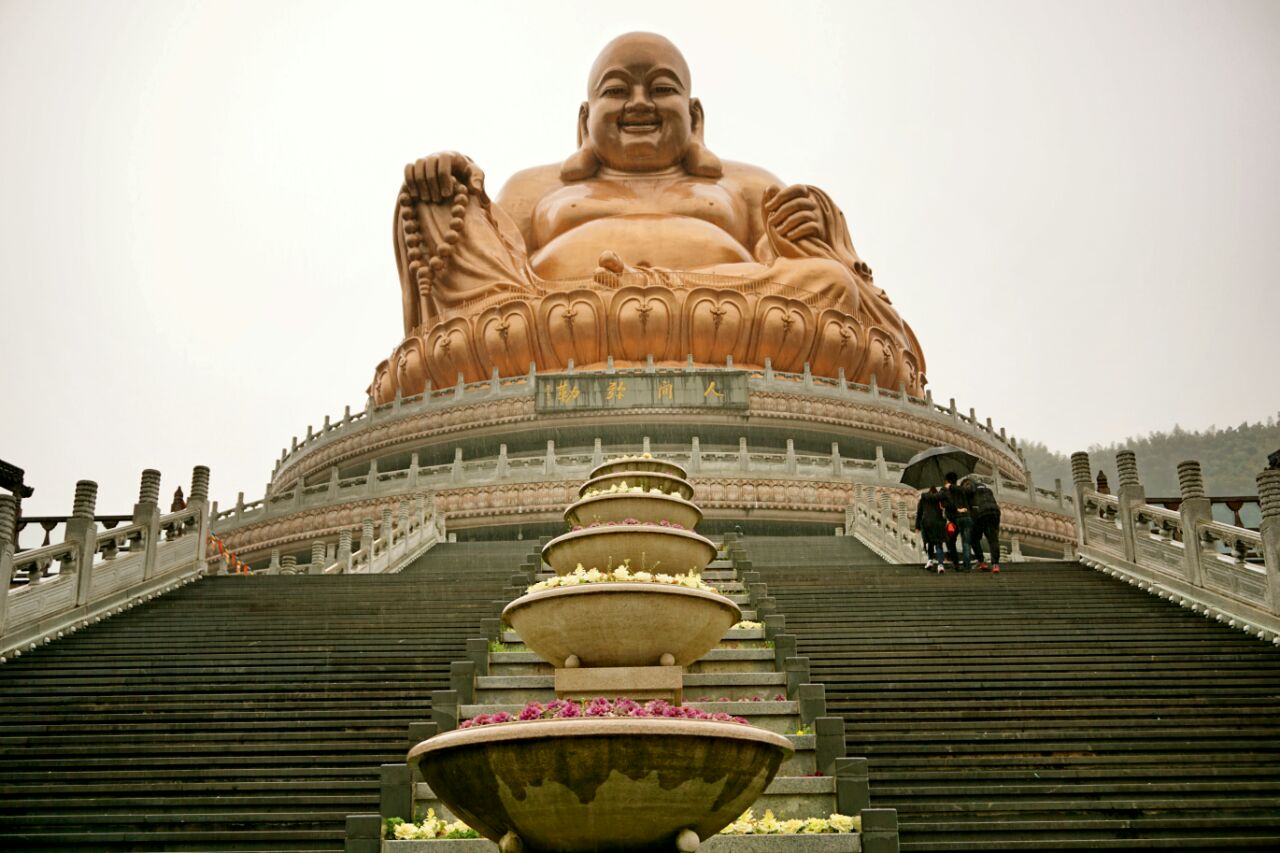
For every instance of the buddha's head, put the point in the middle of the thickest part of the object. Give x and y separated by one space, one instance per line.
639 116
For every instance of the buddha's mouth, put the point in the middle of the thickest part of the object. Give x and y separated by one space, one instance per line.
645 124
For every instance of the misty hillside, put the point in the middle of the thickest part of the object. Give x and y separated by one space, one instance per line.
1230 458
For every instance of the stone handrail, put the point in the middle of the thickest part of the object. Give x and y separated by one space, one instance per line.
99 573
402 539
571 464
759 380
1228 572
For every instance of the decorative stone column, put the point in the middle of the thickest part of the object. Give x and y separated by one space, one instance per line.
147 513
289 565
366 539
317 558
1082 478
1269 498
1131 496
420 508
8 543
273 568
82 530
388 535
344 549
1195 509
199 504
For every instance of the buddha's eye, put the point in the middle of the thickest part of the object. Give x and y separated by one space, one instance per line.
614 92
664 90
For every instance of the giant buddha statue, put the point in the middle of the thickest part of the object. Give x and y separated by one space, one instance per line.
642 244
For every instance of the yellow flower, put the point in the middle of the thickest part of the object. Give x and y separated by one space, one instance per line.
845 823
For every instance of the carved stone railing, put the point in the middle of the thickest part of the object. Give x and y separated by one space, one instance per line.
402 538
48 592
465 404
514 489
883 519
1230 573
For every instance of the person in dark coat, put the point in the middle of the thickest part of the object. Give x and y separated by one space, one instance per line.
986 525
931 521
959 495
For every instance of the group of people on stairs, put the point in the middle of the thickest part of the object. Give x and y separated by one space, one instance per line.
964 510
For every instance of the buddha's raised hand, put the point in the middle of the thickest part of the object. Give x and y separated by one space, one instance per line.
792 215
433 178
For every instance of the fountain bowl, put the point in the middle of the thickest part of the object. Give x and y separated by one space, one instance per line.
640 463
648 508
588 621
647 479
649 547
588 784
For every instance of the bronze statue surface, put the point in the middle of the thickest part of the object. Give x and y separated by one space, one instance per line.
642 243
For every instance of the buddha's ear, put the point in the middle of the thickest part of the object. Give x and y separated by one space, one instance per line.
583 163
698 159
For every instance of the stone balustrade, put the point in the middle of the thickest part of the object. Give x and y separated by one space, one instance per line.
399 542
54 590
761 382
1222 570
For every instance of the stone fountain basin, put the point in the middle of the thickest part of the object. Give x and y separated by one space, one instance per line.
648 479
621 623
649 547
637 463
649 508
618 784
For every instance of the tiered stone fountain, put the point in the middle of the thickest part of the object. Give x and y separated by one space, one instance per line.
619 784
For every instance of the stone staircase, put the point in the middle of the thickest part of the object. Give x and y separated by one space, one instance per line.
240 713
1048 707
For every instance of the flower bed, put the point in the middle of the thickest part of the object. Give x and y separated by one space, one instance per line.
621 488
622 574
749 824
429 829
563 709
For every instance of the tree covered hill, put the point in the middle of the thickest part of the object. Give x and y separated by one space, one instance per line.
1230 458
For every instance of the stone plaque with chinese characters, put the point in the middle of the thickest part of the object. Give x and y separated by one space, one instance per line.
704 389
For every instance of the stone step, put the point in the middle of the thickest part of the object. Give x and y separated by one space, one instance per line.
716 660
517 689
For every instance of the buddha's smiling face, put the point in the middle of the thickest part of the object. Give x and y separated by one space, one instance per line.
638 107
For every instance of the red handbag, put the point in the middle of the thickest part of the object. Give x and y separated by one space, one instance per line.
951 528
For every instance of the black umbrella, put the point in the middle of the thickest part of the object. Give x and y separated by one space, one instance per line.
928 467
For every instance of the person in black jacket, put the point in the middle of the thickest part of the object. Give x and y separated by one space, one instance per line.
959 496
931 521
986 524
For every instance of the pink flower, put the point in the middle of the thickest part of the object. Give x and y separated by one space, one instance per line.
482 720
568 710
466 724
781 697
500 717
532 711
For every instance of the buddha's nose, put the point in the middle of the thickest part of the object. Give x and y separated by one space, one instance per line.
639 98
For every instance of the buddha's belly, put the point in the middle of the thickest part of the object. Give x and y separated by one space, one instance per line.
671 242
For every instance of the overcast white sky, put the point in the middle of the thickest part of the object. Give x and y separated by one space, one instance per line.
1075 205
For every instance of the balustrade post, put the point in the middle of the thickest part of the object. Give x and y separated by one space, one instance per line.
317 558
597 453
1269 500
403 520
644 445
1082 479
83 532
502 469
147 513
344 549
882 470
872 387
388 535
413 471
371 479
495 385
768 369
695 455
366 539
333 483
1131 496
549 462
744 458
273 567
455 473
1195 509
8 538
791 456
837 461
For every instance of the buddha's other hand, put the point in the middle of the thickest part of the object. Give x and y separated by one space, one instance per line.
432 179
792 215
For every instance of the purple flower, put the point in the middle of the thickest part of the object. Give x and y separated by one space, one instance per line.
569 709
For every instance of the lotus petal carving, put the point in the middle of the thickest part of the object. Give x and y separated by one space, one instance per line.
645 321
508 337
573 327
